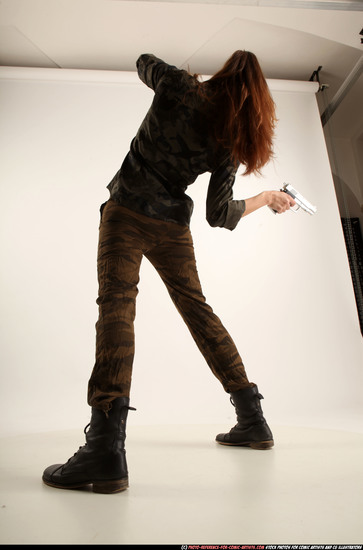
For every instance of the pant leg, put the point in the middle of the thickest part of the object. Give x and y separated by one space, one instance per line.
118 265
174 260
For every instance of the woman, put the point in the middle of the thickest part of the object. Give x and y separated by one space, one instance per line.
190 128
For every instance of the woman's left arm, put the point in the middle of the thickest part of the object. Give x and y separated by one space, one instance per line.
151 69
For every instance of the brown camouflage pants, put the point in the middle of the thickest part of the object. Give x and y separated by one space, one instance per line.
125 237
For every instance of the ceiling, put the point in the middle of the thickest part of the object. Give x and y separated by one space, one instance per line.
291 38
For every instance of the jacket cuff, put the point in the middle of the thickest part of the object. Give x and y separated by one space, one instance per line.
235 211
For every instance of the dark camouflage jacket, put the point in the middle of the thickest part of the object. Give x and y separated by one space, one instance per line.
173 146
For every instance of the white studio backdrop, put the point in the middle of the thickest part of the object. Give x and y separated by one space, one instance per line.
281 284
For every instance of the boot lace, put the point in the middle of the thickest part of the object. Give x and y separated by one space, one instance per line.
259 395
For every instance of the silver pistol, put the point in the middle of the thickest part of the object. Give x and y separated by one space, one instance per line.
301 202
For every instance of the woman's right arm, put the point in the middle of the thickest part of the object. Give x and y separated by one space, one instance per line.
277 200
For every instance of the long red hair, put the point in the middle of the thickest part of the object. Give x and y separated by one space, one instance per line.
245 111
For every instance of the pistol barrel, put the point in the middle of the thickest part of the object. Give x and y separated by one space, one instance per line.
299 199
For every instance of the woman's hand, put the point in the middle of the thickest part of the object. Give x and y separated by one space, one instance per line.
279 201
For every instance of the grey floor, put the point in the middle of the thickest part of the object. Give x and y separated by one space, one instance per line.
186 489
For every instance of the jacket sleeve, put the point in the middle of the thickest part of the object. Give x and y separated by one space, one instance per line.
151 69
222 210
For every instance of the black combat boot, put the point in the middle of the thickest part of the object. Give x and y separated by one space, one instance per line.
252 429
101 462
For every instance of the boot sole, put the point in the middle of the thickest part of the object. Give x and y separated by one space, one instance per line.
259 445
104 487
